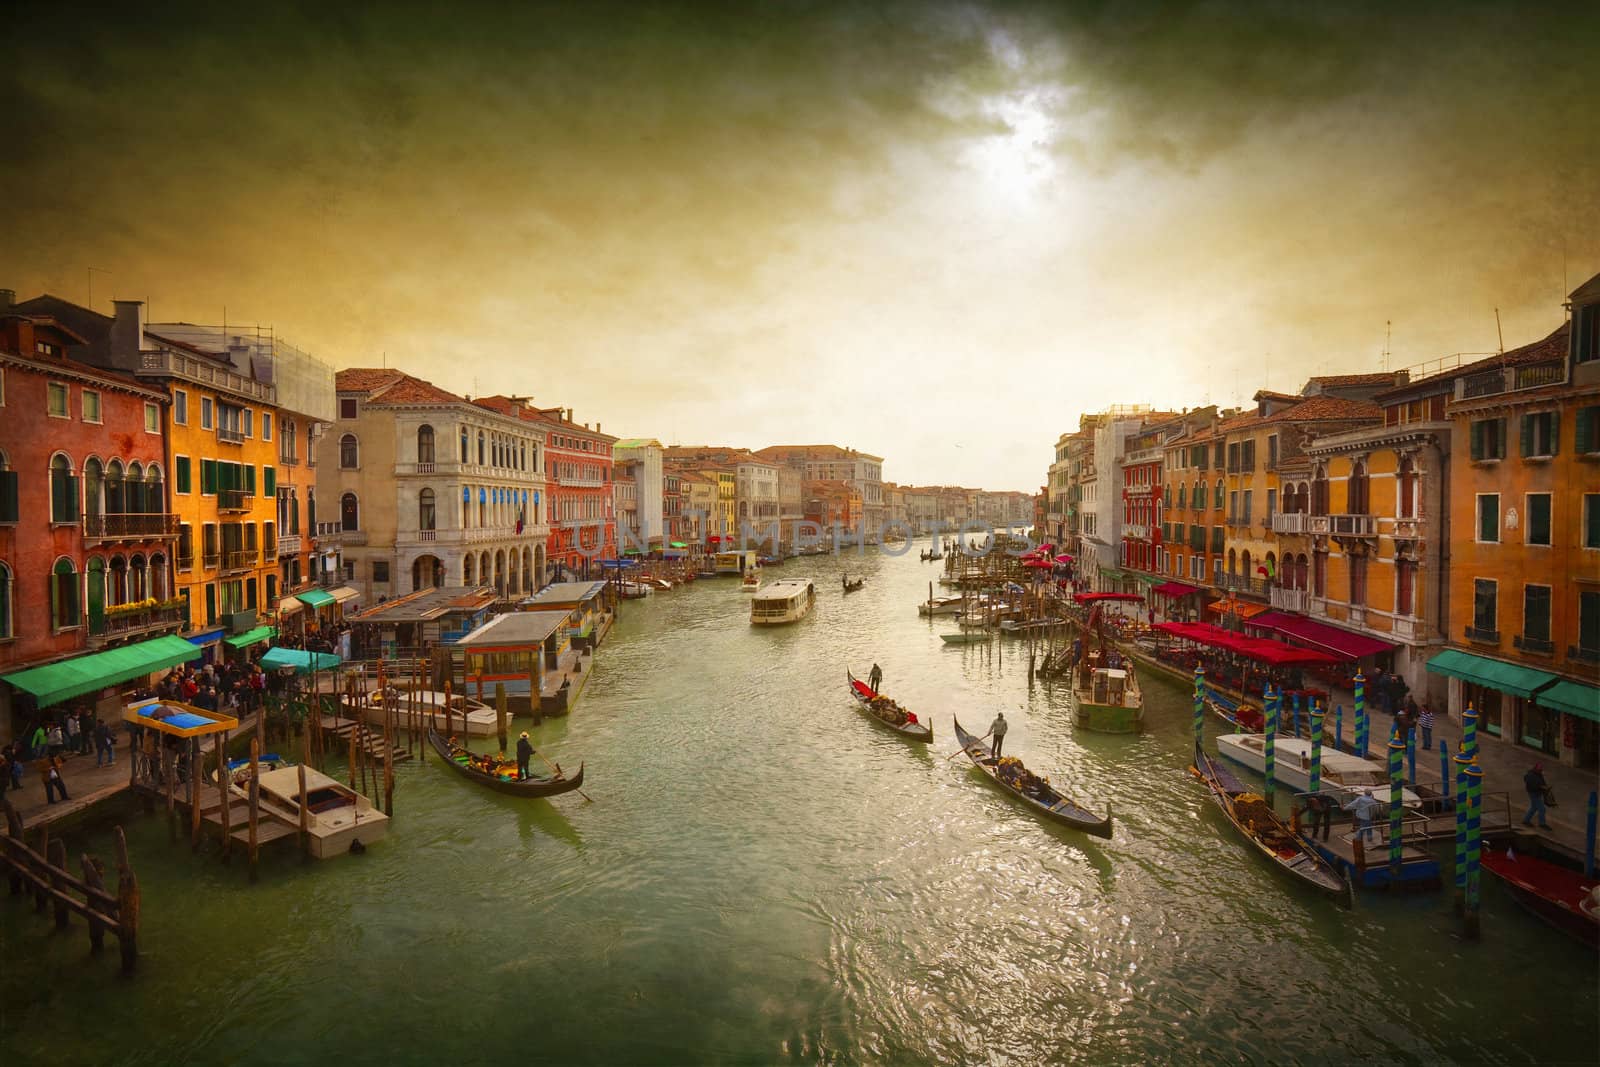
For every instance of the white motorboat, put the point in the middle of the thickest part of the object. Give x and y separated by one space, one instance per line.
751 582
942 605
1342 772
336 816
785 600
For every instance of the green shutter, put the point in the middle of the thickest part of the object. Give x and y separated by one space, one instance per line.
1527 435
1585 440
208 477
250 478
211 605
8 496
1555 431
1499 438
180 467
269 482
1591 520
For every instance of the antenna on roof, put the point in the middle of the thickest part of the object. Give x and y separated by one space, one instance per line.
1498 332
1388 335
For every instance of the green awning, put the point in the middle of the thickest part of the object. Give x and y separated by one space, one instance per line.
1572 698
633 552
1494 673
251 637
56 682
303 662
314 597
679 544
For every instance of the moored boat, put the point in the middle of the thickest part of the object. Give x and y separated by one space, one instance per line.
785 600
1560 896
1343 773
1036 792
966 637
887 712
1264 829
1107 696
941 605
500 776
336 815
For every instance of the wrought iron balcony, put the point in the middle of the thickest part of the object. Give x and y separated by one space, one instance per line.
239 559
235 500
1240 583
117 623
209 560
129 527
230 437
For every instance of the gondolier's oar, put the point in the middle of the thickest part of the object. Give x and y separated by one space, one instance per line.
559 771
963 751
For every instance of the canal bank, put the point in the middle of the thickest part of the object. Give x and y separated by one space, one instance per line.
767 876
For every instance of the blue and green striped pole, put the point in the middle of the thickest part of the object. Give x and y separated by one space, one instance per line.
1462 763
1270 702
1444 773
1315 785
1397 784
1469 733
1338 727
1199 708
1411 758
1361 715
1474 844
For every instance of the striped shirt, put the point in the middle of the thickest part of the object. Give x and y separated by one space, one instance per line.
1425 718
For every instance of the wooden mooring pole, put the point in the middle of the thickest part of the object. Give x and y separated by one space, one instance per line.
255 803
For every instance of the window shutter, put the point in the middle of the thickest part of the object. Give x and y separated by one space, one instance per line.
180 467
1555 431
1499 438
1591 520
269 482
8 496
72 499
1585 436
1527 435
208 476
1477 440
250 478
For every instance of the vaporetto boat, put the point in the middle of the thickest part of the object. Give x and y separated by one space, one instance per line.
785 600
1342 772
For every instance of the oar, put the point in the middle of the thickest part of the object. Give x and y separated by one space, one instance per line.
558 770
953 755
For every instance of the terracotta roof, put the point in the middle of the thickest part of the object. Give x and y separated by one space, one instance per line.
364 379
384 386
1354 379
1323 408
1553 347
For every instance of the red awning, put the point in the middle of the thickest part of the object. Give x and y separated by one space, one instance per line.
1273 653
1176 589
1091 598
1343 643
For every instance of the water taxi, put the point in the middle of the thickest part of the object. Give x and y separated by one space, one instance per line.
751 582
942 605
336 816
1343 773
786 600
1108 698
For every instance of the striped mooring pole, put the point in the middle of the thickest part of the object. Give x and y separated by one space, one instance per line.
1397 784
1338 727
1361 715
1462 763
1199 708
1411 758
1474 845
1444 774
1588 835
1469 733
1316 749
1270 703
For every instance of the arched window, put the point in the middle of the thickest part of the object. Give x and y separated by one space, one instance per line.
1244 564
1272 568
465 447
117 585
425 511
424 444
154 499
1319 493
1406 504
1216 495
94 481
63 491
6 628
115 494
1356 489
64 607
349 454
134 488
466 570
138 580
158 577
349 512
480 448
1233 562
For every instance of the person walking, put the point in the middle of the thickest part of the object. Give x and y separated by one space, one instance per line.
1319 806
1365 808
1424 716
36 744
524 754
74 732
997 730
105 744
1537 787
53 739
50 771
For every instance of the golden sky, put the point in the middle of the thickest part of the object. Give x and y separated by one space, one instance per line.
934 232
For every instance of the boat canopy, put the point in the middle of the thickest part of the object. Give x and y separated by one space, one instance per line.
1095 598
1176 589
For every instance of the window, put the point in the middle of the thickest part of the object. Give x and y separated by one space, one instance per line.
349 512
63 490
480 448
1405 577
57 400
1488 440
1537 529
380 570
1319 573
1406 490
208 477
185 547
1233 507
1588 625
1358 580
425 444
1272 452
1536 614
1586 333
347 407
1541 434
248 421
1588 439
1216 495
1245 518
465 446
91 406
205 413
180 407
266 425
1485 608
425 510
1355 497
1272 505
269 481
286 441
1591 520
64 611
348 452
180 473
1489 517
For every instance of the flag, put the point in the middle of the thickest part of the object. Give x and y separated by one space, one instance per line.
519 520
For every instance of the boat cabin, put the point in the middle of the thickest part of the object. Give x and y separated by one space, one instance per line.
516 650
786 600
1109 685
436 616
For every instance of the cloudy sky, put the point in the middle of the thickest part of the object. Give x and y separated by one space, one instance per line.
934 232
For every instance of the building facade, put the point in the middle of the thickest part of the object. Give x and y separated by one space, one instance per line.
650 524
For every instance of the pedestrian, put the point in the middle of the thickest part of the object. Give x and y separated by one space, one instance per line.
50 771
5 771
1425 724
997 730
1320 807
1537 787
105 744
53 740
36 744
74 732
19 756
524 754
1365 808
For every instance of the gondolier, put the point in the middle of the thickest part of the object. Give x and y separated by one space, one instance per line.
875 677
997 730
524 754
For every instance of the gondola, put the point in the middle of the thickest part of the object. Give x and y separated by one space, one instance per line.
851 587
1560 896
916 731
1039 795
531 787
1255 820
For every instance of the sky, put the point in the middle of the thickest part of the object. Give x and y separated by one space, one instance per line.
934 232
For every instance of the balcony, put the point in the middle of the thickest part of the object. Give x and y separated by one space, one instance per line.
1535 645
1488 637
186 563
352 537
1291 523
289 545
235 500
1317 525
1353 525
1289 599
1239 583
1406 628
288 461
204 372
1140 490
1511 379
230 437
239 559
129 527
209 560
123 623
1135 531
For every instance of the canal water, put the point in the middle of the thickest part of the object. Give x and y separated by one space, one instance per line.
765 876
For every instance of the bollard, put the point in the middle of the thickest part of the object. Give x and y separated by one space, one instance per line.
1469 733
1444 774
1199 708
1462 763
1588 834
1338 727
1411 758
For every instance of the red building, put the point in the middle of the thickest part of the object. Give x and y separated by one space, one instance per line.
86 536
1142 500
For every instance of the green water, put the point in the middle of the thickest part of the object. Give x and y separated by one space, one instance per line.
767 877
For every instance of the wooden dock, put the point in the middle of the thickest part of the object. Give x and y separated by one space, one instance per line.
370 744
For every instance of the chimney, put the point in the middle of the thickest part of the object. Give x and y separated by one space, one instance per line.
569 414
597 428
127 334
7 298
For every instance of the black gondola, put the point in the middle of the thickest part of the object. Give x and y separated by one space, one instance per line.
851 587
530 787
916 731
1265 829
1035 791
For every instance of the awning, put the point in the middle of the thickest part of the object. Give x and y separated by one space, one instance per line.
316 598
302 661
289 605
679 544
1572 698
1176 589
1496 674
1242 608
1095 598
1340 642
56 682
343 593
252 637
